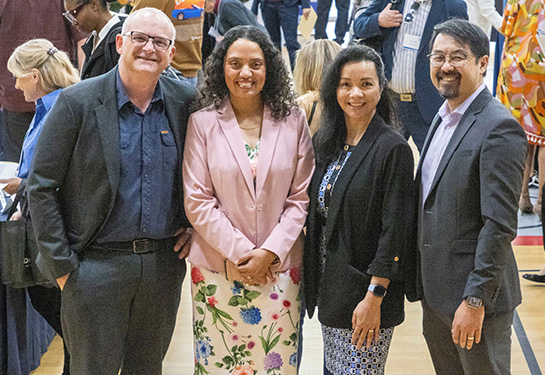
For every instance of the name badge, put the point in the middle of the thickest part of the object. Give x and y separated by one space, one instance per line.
411 42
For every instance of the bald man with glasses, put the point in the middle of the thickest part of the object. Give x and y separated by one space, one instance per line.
106 198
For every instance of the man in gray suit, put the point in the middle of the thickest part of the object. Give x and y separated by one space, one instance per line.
105 192
470 177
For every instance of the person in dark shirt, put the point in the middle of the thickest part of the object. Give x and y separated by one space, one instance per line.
107 204
94 18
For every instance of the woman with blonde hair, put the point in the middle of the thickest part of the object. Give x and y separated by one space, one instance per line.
312 60
41 72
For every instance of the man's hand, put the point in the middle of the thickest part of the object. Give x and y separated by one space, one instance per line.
12 184
61 281
183 243
389 18
254 267
306 13
467 325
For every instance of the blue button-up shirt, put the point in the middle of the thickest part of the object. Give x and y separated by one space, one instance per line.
143 206
43 105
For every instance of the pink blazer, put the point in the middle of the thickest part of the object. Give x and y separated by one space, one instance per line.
229 215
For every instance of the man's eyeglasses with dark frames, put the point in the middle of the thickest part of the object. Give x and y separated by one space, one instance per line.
72 15
141 39
437 60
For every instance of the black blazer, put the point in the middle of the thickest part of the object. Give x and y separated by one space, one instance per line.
371 213
105 56
76 168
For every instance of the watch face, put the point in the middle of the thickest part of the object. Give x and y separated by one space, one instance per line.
474 302
378 290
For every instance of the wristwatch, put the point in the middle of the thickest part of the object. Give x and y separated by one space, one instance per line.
377 290
474 302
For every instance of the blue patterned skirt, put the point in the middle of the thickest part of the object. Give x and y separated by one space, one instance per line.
343 358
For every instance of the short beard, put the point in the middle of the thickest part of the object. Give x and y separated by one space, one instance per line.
449 91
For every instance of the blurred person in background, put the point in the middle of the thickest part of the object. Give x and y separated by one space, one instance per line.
521 86
283 15
483 14
311 63
93 17
20 21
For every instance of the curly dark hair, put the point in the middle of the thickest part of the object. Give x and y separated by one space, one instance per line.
330 137
277 92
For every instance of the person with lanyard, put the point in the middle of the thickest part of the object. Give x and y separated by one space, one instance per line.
41 72
93 16
405 34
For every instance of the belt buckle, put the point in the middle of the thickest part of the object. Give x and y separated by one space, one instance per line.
141 246
406 97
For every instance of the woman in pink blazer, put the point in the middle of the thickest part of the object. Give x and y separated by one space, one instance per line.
247 164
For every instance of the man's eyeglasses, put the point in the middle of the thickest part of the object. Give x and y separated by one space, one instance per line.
72 15
437 60
141 39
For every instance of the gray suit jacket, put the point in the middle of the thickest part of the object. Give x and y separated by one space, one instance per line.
467 222
76 168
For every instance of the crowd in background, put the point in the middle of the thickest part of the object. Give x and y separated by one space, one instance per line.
223 150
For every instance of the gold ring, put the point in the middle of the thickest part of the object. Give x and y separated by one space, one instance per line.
470 338
371 330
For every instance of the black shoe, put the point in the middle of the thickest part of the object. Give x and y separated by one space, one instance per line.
534 277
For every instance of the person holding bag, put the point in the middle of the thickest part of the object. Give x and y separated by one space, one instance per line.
41 72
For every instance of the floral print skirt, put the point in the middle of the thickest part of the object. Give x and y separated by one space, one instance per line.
243 329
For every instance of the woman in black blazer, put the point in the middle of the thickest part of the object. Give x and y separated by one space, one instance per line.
361 216
94 18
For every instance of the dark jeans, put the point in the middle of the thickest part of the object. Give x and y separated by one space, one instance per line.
412 121
275 16
119 310
341 26
14 128
47 301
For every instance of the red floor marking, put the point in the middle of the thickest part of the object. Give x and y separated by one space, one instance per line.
528 241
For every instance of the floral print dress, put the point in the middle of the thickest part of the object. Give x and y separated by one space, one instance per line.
341 357
521 83
244 329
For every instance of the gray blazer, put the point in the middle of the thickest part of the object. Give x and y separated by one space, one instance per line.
467 222
76 168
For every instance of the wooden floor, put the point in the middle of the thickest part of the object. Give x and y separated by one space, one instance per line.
408 354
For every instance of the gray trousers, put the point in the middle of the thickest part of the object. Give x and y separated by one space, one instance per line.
118 310
492 356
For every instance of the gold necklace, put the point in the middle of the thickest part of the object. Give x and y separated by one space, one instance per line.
250 128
